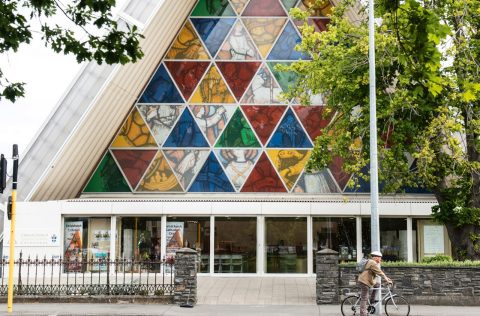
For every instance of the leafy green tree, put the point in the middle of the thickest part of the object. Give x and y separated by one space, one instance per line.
93 35
428 102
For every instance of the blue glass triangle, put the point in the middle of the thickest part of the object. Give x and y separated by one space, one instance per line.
161 89
211 178
289 134
186 133
363 186
213 31
284 49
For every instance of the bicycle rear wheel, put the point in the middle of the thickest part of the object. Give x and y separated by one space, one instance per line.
351 306
397 306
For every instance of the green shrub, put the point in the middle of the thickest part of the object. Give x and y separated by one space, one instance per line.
437 258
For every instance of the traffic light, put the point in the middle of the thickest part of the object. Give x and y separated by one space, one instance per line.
9 208
3 173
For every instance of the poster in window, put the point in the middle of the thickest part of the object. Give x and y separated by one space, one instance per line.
433 239
174 237
73 245
99 242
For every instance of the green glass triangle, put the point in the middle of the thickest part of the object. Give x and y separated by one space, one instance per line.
238 133
286 79
213 8
107 177
289 4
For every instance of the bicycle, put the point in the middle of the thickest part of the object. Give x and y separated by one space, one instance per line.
395 305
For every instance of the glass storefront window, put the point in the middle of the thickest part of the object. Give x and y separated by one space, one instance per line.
139 238
235 245
432 238
85 239
286 244
191 232
393 238
335 233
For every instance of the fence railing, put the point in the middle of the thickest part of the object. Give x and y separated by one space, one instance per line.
60 277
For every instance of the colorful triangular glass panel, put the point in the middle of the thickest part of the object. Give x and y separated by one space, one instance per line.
212 119
289 164
186 163
264 8
161 89
187 45
316 182
288 4
340 176
286 79
238 163
312 119
320 24
238 75
187 74
211 178
289 134
263 119
264 32
107 178
134 163
263 89
238 133
239 5
134 133
360 184
316 10
213 8
213 31
159 177
212 89
238 45
160 118
263 178
186 133
284 49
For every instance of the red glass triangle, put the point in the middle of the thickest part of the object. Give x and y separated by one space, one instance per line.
264 8
238 75
134 163
340 176
263 178
312 119
263 119
187 74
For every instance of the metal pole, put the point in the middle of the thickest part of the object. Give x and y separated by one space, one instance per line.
11 259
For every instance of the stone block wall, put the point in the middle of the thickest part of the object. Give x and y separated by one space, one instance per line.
185 282
327 277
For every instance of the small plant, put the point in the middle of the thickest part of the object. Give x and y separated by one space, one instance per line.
437 258
159 292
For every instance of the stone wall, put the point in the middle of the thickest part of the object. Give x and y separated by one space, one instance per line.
327 277
426 285
185 292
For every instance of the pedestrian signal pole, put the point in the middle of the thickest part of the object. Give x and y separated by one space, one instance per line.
11 258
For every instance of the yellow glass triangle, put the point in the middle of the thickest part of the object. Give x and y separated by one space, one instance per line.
134 133
239 5
187 45
289 163
212 89
159 177
264 32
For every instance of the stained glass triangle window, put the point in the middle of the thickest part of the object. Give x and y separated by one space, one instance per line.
238 163
187 45
134 133
186 163
263 119
159 177
212 119
161 89
284 48
289 164
264 8
238 133
340 176
238 75
134 163
213 31
186 133
288 4
238 45
239 5
263 89
107 178
317 182
187 74
263 178
211 178
316 10
264 32
212 89
286 79
213 8
289 134
160 118
312 119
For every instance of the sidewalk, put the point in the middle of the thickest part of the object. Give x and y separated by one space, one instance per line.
207 310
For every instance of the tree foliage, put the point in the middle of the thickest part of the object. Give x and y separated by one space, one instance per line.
428 102
94 34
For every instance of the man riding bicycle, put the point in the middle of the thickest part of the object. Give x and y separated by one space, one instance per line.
366 280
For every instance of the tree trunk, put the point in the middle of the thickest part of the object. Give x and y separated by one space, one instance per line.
465 241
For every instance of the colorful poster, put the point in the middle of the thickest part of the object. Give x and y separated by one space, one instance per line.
174 237
73 245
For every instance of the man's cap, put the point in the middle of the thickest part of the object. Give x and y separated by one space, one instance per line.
376 254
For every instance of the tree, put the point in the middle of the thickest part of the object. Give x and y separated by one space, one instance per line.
93 35
428 102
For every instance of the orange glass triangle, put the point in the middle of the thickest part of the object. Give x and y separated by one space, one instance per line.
159 177
212 89
134 133
187 45
264 32
289 164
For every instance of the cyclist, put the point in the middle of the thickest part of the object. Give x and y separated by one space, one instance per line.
366 280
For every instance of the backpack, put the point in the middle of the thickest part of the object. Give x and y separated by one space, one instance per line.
361 265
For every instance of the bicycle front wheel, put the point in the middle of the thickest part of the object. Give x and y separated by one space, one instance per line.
351 306
397 306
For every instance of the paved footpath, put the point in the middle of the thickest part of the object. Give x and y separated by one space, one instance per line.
207 310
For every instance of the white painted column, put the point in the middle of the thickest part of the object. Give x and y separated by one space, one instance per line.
309 245
212 244
163 237
409 240
359 238
113 237
261 245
